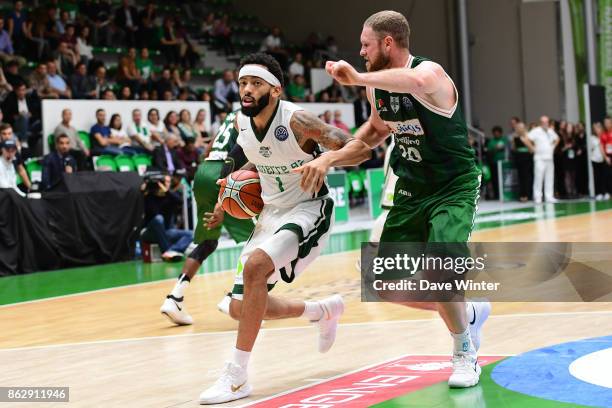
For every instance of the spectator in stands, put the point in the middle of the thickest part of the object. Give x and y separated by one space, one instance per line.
125 94
496 152
222 33
82 86
296 90
56 81
65 58
126 22
165 157
5 87
207 27
11 72
101 82
35 45
70 38
324 97
331 49
127 73
188 155
543 140
338 93
161 203
8 177
189 57
50 24
101 140
273 44
39 82
144 64
15 21
147 30
597 160
219 119
77 147
226 91
167 96
144 95
108 95
7 53
205 97
362 108
102 32
339 123
170 43
157 127
83 47
171 121
523 160
185 125
6 133
56 163
327 117
568 149
199 126
296 67
605 144
21 111
164 83
580 141
139 132
62 22
116 128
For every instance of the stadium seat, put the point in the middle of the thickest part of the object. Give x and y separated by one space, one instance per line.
104 163
125 163
84 136
18 179
34 168
51 141
142 161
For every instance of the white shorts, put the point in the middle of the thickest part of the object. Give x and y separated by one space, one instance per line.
292 237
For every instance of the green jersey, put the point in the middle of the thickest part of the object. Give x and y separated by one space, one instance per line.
225 140
431 144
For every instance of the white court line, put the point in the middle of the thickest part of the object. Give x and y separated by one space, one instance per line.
273 329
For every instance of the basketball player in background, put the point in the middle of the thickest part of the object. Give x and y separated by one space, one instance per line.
277 136
208 229
438 183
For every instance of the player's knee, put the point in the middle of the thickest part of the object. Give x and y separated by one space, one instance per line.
235 309
257 268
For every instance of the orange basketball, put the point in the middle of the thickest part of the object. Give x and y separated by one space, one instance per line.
240 194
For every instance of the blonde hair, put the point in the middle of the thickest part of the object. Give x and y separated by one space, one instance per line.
390 23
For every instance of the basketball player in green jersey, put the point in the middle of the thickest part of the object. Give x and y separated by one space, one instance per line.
208 230
438 183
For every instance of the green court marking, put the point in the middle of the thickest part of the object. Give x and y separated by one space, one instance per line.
485 394
41 285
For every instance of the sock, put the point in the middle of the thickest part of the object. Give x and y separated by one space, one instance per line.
241 358
312 311
180 286
463 343
471 312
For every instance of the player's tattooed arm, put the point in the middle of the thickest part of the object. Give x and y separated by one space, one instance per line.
307 126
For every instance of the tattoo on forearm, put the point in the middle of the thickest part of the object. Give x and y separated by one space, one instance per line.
306 125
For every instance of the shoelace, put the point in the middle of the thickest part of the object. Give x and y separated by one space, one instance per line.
462 362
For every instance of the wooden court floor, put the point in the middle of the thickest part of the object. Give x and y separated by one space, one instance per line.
113 348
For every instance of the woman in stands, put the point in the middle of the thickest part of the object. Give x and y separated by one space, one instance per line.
203 137
185 126
116 128
156 125
171 121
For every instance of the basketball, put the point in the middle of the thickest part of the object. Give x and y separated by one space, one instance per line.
240 194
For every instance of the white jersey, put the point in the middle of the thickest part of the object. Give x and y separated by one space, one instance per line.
275 154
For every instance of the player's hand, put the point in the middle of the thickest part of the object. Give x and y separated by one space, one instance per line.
313 174
343 72
215 218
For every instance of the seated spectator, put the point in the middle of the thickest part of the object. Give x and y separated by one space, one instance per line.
161 203
170 43
57 163
50 26
5 87
144 64
14 24
327 117
102 27
82 85
39 82
6 133
22 112
339 123
138 131
296 67
273 44
11 72
157 127
147 30
117 132
83 48
189 157
165 157
57 82
65 58
36 46
362 107
164 83
61 25
226 91
7 53
101 140
337 93
297 91
144 95
101 82
127 73
222 33
126 22
185 126
108 95
70 38
8 177
219 119
125 94
171 121
77 148
203 138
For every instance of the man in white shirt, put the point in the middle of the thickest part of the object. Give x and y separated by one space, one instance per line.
8 177
140 133
543 142
296 67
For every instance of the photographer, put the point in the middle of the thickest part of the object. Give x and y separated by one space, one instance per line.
161 202
57 163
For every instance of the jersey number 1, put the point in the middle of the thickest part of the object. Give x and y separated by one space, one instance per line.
280 184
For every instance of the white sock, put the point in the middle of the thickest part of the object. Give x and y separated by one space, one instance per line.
312 311
180 286
241 358
463 342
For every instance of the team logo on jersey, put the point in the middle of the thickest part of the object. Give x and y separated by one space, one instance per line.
411 127
281 133
265 151
395 104
407 102
380 103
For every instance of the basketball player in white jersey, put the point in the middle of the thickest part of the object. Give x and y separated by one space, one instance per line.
276 137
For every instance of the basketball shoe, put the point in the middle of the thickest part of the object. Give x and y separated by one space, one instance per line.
332 307
479 311
232 385
174 310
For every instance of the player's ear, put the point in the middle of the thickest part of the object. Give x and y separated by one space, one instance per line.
388 40
277 91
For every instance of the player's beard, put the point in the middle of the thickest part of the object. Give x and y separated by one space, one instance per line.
379 63
259 105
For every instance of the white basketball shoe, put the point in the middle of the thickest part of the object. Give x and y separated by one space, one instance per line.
466 371
231 386
333 307
481 312
174 310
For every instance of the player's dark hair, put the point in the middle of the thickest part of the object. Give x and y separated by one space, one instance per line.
268 61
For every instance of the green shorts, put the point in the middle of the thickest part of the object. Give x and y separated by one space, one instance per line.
206 191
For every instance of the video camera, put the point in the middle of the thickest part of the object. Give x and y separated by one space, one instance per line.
151 179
